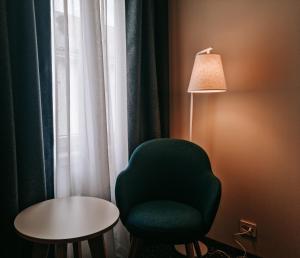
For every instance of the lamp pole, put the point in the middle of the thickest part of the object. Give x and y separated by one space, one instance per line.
191 115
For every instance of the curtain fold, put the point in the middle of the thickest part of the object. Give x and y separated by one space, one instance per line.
91 144
147 70
26 126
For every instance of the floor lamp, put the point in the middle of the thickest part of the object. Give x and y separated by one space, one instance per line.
207 77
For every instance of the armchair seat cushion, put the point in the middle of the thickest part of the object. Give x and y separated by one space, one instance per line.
166 221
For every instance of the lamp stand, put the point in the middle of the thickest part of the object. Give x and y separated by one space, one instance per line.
191 115
181 248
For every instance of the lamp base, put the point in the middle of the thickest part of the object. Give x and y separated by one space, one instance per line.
181 249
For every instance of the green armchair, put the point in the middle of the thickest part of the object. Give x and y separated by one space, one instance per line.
168 193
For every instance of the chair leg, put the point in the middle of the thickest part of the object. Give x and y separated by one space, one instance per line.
197 248
189 250
135 244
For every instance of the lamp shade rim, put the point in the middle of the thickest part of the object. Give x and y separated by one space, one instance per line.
207 90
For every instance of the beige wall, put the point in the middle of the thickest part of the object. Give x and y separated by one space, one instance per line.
252 132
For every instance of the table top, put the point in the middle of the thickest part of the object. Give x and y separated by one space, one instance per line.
66 219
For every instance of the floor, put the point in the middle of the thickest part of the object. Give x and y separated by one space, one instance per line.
168 251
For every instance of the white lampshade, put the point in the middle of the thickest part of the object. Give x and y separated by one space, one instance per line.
207 75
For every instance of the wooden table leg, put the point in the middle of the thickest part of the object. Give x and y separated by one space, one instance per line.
189 250
197 249
40 250
61 250
97 247
77 250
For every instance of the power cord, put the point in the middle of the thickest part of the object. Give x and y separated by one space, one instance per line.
239 243
218 251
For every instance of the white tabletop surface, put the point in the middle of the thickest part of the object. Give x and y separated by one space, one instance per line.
66 219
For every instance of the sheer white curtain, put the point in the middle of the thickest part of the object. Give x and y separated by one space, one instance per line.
90 105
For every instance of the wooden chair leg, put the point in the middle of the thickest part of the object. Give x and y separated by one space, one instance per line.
40 250
135 245
61 250
77 250
97 247
189 250
197 248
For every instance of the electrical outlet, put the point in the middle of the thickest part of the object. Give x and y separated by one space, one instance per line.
245 226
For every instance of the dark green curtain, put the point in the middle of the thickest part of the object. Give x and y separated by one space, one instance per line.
147 70
26 114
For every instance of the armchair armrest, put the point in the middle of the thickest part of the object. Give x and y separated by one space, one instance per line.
129 192
209 195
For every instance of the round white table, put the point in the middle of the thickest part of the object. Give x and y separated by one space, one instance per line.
67 220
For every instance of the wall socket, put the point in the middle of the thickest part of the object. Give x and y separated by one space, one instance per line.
246 225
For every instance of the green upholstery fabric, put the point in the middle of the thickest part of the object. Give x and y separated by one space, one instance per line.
174 221
173 170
